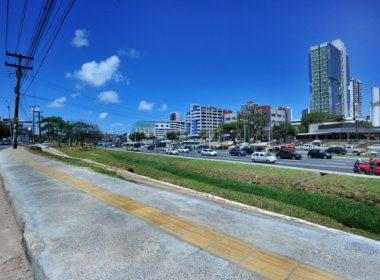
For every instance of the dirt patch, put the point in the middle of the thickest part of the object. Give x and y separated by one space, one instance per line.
13 263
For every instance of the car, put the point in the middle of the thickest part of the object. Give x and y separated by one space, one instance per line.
317 153
150 147
170 151
336 150
209 152
183 150
263 157
374 153
374 147
285 154
365 167
248 150
356 151
237 152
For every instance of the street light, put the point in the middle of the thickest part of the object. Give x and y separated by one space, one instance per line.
9 117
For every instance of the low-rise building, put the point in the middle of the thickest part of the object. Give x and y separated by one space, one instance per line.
146 127
162 128
229 116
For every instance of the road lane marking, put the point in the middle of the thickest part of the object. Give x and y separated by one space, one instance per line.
247 256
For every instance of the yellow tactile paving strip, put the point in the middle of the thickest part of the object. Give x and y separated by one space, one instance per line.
247 256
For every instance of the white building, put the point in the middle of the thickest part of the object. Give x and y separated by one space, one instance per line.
162 128
375 107
229 117
280 115
146 127
200 118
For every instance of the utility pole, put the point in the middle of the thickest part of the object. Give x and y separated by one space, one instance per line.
19 74
34 110
39 124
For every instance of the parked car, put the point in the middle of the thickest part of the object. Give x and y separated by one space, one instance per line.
374 153
285 154
170 151
336 150
374 147
183 150
356 151
365 167
237 152
317 153
209 152
263 157
274 149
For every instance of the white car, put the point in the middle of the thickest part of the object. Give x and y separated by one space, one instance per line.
183 150
263 157
374 147
171 151
209 152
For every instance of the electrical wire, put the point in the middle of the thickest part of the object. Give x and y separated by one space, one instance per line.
63 19
21 24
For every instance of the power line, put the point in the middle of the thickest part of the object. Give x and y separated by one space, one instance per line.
63 19
22 23
6 26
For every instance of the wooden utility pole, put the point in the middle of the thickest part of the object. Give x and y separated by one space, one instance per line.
19 74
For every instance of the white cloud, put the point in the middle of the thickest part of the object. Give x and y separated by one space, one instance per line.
130 53
80 38
97 74
58 103
103 115
108 97
145 106
75 95
163 107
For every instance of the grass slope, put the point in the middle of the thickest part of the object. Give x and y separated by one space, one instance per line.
342 202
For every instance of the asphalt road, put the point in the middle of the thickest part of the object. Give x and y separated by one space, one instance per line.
338 164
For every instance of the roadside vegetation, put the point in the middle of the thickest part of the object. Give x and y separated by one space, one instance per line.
347 203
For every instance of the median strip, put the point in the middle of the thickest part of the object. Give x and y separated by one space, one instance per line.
245 255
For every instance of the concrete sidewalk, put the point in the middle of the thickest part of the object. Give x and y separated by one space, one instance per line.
81 225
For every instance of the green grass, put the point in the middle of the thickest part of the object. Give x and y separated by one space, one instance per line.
342 202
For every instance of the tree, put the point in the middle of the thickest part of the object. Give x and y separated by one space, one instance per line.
137 136
203 134
4 130
53 128
171 135
318 117
283 131
85 133
234 130
255 121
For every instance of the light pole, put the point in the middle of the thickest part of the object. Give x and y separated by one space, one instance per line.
9 118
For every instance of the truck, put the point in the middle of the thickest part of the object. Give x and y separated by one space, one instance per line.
356 151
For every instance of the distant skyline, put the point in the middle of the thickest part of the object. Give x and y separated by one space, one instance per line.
140 60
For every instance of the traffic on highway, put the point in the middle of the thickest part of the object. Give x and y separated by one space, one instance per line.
314 158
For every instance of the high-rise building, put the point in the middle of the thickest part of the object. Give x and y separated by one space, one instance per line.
200 118
355 99
305 112
175 116
375 107
329 78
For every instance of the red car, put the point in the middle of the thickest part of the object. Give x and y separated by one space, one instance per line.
364 167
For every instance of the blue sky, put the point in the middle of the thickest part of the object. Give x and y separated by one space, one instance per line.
164 55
